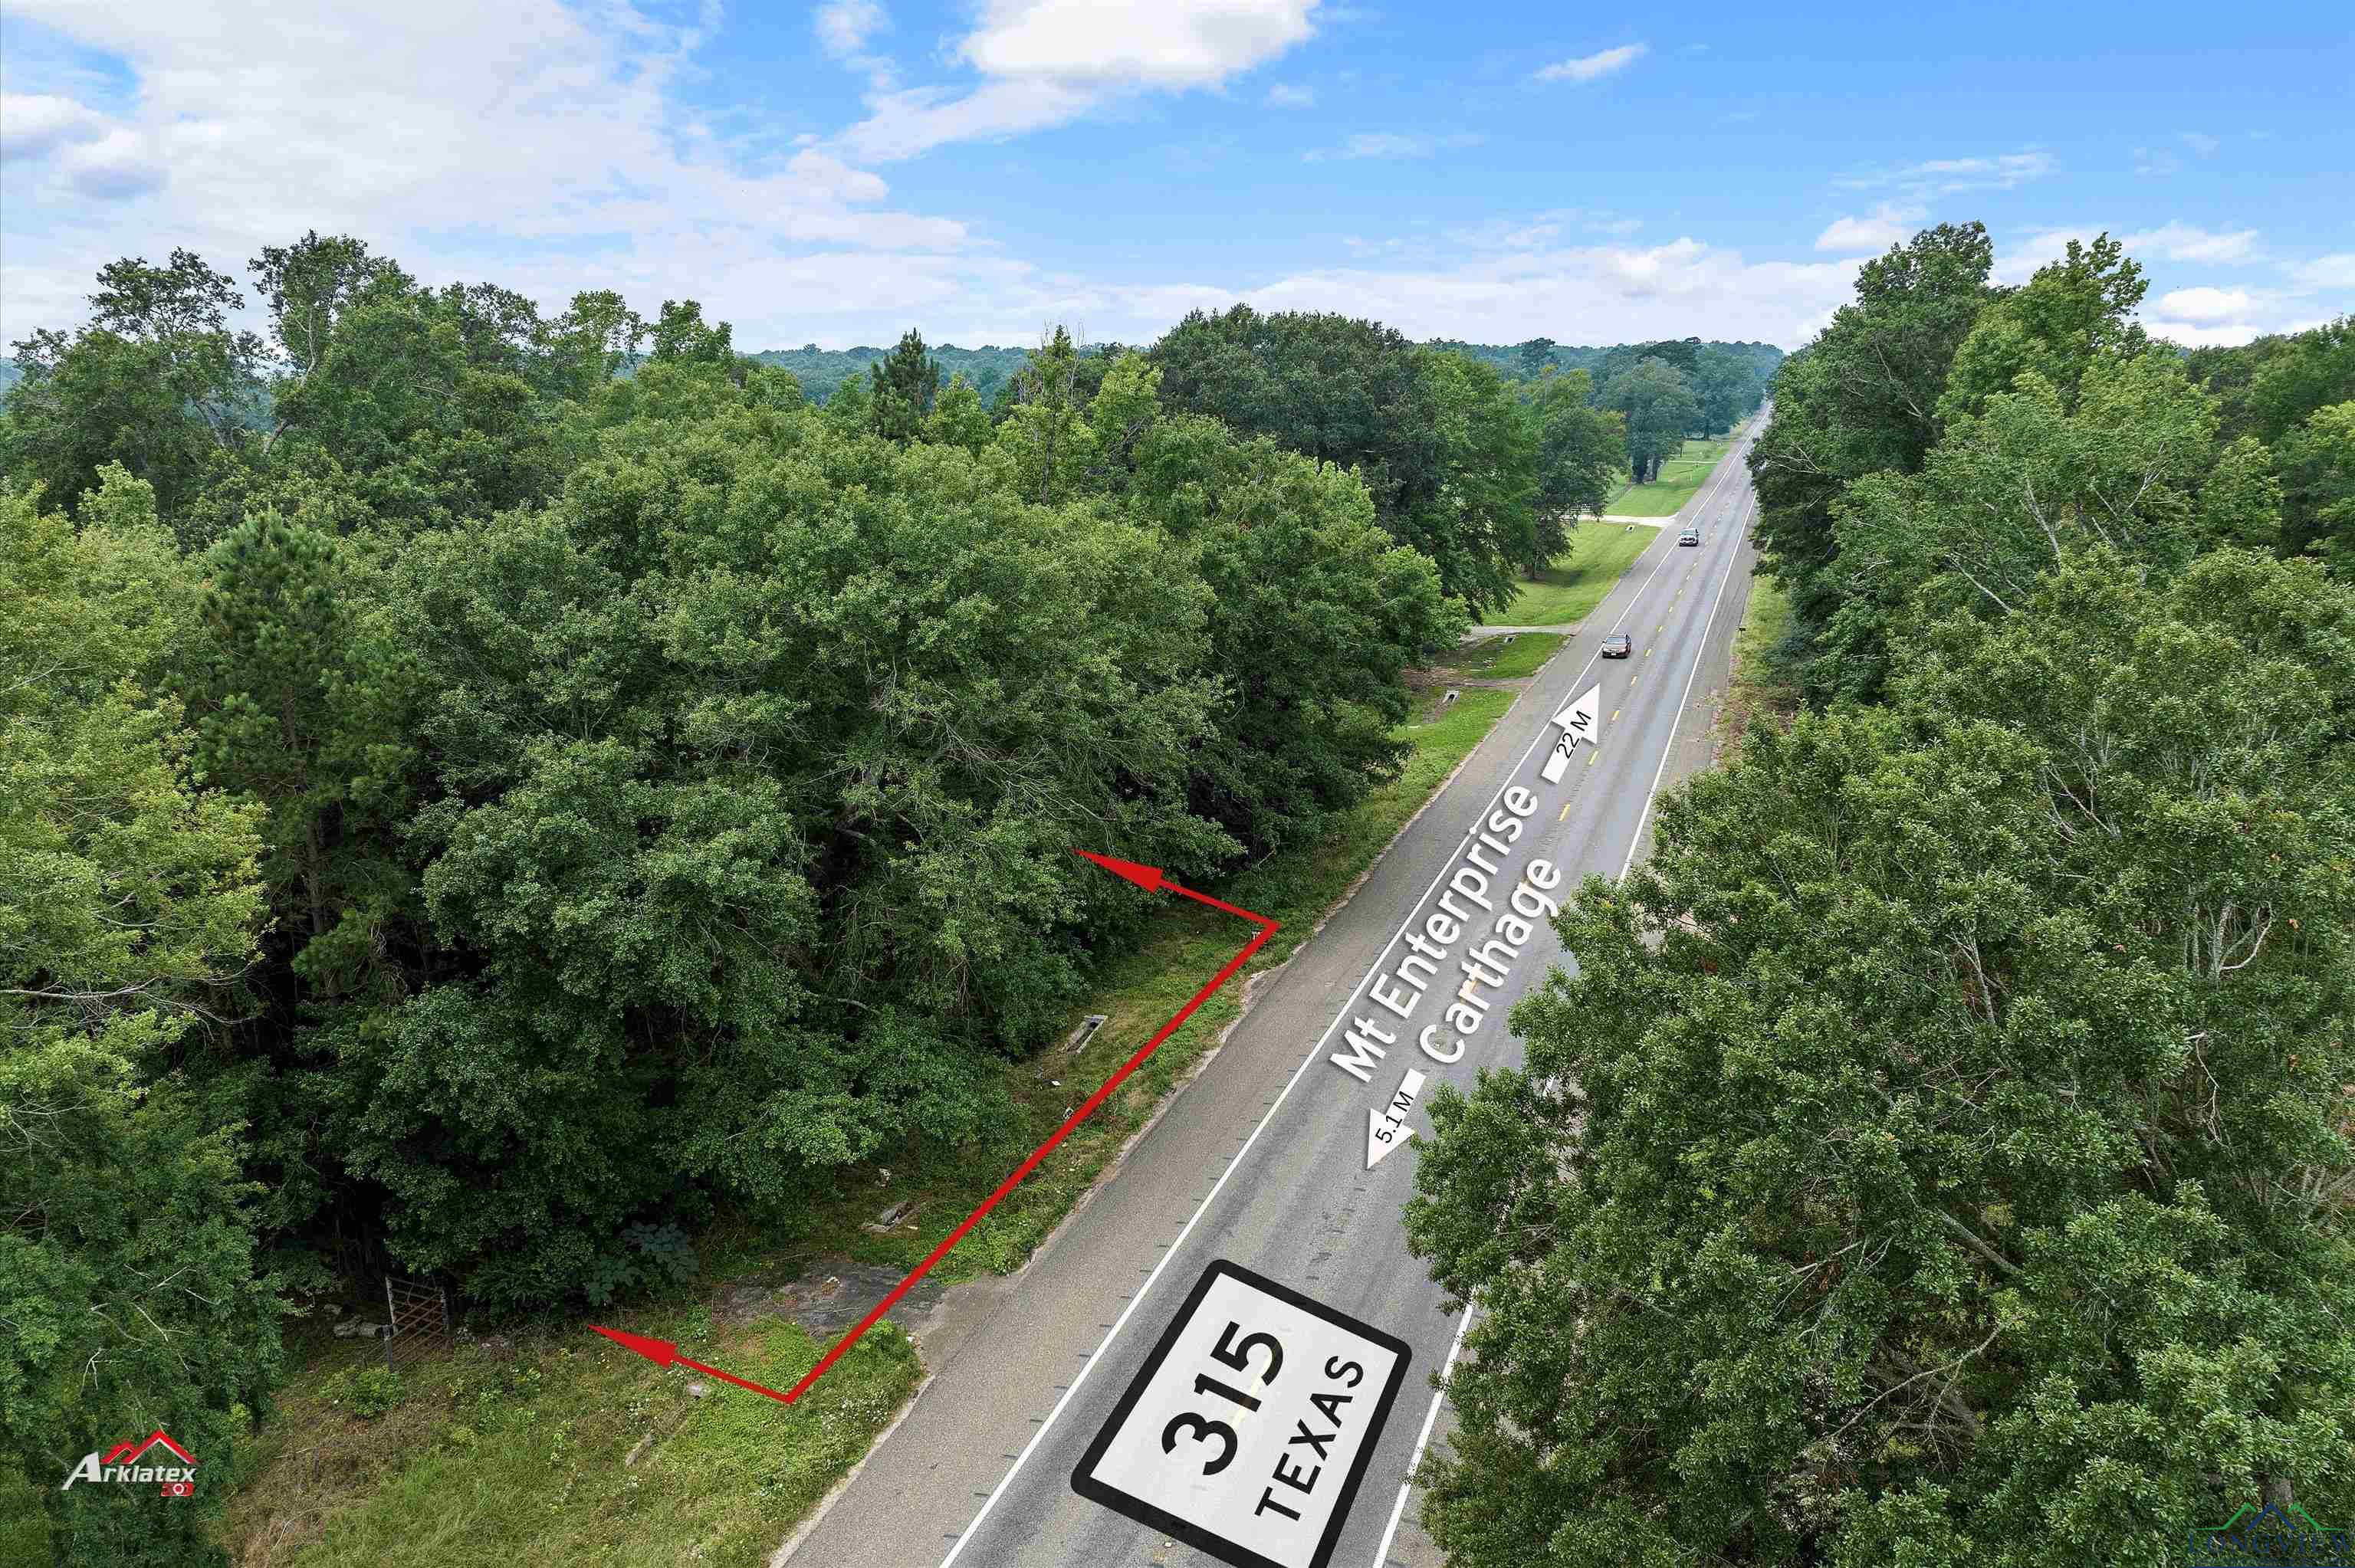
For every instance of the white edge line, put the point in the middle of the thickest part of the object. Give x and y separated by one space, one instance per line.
1422 1441
1146 1288
1750 509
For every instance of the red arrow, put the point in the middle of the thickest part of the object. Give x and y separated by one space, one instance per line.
662 1352
1150 878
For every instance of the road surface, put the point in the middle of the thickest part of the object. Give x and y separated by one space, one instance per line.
1261 1159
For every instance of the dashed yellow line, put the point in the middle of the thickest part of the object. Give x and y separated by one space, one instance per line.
1614 716
1566 805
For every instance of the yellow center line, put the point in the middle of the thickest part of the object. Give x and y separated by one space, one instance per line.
1614 716
1590 762
1566 806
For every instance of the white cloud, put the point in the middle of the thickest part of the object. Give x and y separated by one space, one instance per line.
1388 145
1887 226
2333 271
2183 242
34 124
845 25
2196 335
454 137
2148 161
1588 68
1046 62
2168 242
115 167
1281 96
2199 141
1156 43
2204 304
1943 176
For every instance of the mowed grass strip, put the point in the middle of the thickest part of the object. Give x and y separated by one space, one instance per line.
514 1453
1680 476
1568 591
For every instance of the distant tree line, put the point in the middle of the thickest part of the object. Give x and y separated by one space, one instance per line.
487 790
1944 1153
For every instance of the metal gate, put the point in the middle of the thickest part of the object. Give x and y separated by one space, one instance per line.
417 1319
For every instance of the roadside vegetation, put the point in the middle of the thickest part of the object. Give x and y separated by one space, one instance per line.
482 1443
1944 1153
1761 692
535 803
552 1445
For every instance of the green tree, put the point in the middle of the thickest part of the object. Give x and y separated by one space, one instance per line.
758 754
1047 435
1485 522
1659 409
1941 1154
1314 612
681 335
1343 391
126 1256
1864 397
156 381
2318 470
2073 314
907 385
1581 454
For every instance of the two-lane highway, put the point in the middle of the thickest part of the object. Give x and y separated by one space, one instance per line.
1261 1159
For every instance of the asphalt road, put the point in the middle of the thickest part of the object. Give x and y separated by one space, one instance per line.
1261 1160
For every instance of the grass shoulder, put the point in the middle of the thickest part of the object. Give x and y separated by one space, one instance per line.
1759 692
550 1445
1568 591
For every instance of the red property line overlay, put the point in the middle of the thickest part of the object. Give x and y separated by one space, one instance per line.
1149 878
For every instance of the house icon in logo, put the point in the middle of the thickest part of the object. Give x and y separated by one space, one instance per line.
128 1452
122 1463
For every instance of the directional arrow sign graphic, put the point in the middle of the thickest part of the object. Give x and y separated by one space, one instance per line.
1386 1128
1578 721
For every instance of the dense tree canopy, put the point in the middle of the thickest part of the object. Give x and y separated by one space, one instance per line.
487 788
1942 1152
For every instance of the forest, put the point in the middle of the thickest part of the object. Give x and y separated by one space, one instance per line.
1941 1154
489 792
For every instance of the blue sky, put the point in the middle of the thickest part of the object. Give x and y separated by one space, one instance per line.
835 172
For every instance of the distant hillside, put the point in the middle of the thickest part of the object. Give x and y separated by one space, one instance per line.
821 370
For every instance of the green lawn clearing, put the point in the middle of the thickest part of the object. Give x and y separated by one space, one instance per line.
1680 476
1570 589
